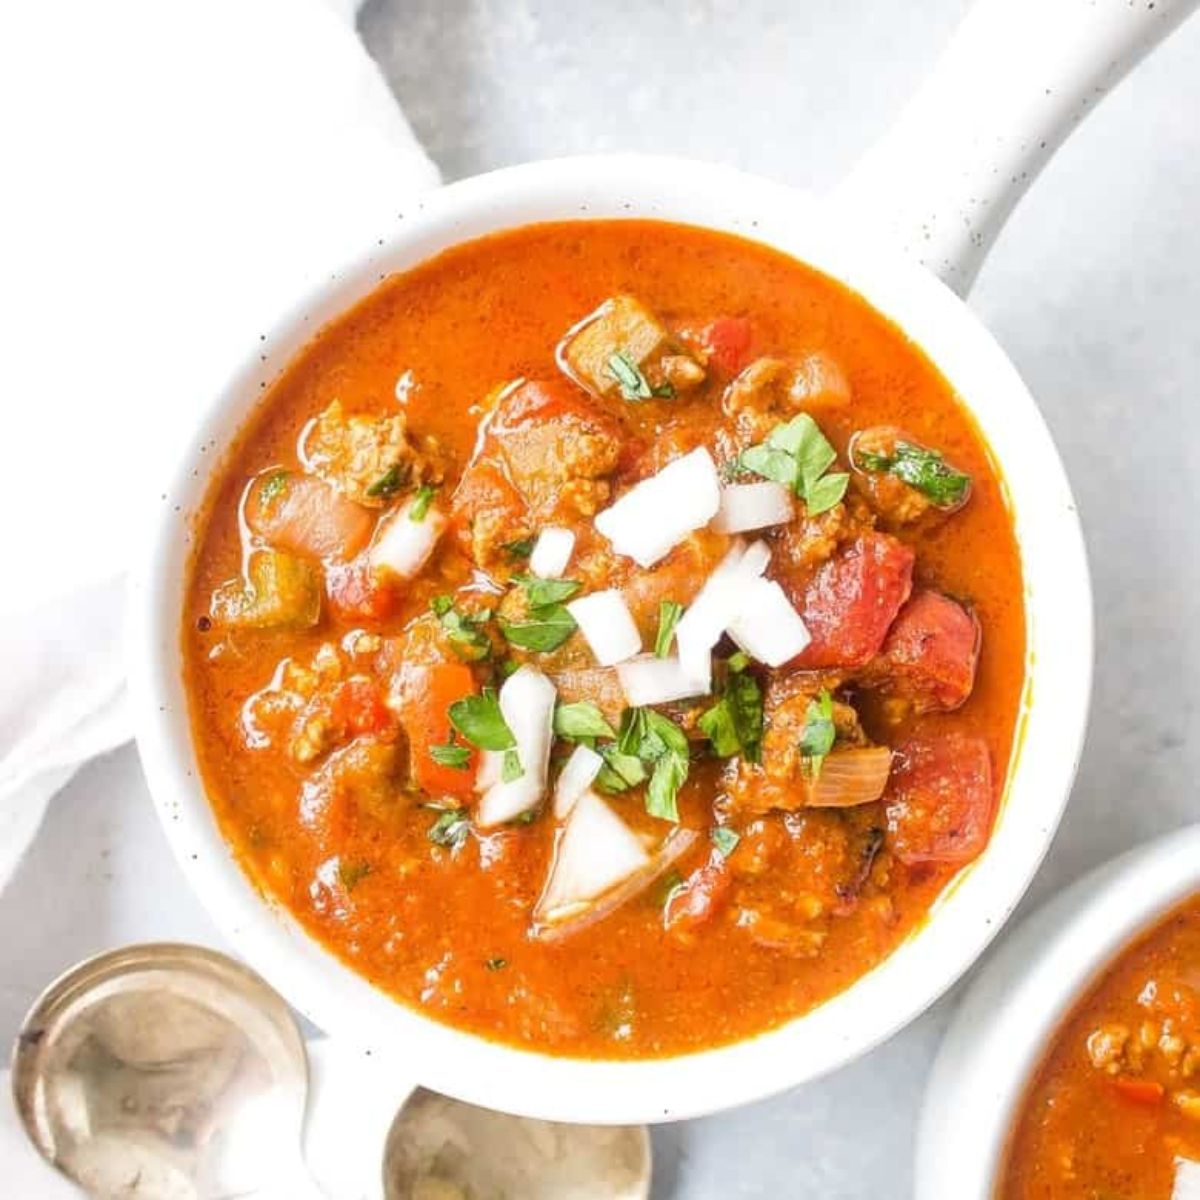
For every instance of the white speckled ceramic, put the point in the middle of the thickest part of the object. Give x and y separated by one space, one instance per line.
1003 1027
835 239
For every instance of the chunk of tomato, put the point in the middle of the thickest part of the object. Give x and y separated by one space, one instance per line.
940 800
1140 1091
698 899
726 341
357 594
425 694
852 599
358 707
930 654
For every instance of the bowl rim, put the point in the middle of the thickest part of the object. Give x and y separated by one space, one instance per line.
1002 1030
968 913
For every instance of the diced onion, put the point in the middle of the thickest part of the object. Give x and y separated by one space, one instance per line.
716 606
551 552
746 506
491 764
767 627
527 705
1187 1180
849 777
578 773
657 514
402 546
554 920
651 680
605 621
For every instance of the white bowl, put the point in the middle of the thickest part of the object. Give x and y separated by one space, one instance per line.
1004 1026
968 914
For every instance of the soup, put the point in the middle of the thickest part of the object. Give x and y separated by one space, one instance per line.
607 637
1114 1110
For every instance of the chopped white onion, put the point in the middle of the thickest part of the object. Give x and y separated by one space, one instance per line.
491 766
595 851
402 546
551 552
658 513
527 705
1187 1180
605 621
651 680
576 777
716 606
746 506
767 627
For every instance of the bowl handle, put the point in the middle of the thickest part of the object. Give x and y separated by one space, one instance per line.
1015 80
352 1102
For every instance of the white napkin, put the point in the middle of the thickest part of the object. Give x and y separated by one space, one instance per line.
177 173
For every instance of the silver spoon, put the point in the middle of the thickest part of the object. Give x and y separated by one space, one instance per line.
171 1072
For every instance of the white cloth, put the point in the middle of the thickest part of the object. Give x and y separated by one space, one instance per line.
177 173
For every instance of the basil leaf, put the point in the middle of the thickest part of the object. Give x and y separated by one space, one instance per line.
480 721
582 719
544 629
815 455
929 473
450 754
771 463
826 492
421 502
620 771
450 829
543 592
669 613
390 482
511 768
819 733
521 548
725 839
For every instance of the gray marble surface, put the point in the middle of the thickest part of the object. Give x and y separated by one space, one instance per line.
1094 289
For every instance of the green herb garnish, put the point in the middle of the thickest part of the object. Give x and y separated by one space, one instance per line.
421 501
450 829
543 630
669 613
661 745
390 482
464 631
480 721
511 767
581 719
797 455
450 753
819 733
543 592
620 771
633 384
521 548
725 839
352 874
734 725
921 468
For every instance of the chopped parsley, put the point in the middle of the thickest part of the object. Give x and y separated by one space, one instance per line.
464 631
389 483
480 721
725 839
451 828
511 766
658 743
669 613
579 720
421 502
819 733
450 753
620 771
734 725
548 623
521 548
542 592
798 455
633 384
921 468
